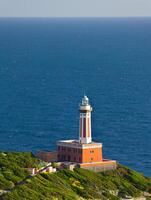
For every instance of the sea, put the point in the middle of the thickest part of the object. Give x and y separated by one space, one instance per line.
48 64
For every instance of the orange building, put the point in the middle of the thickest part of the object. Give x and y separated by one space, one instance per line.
85 152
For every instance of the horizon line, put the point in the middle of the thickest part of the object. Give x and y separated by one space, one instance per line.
81 17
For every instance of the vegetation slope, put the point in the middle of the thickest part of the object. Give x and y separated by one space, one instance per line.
65 184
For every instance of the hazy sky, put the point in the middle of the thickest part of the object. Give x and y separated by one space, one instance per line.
74 8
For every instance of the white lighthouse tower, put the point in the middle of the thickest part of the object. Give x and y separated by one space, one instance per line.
85 121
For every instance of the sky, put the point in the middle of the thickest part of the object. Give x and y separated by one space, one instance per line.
75 8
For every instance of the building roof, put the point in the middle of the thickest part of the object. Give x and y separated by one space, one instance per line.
77 144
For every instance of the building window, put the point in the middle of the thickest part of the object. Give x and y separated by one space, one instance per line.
79 151
64 148
58 147
63 157
91 151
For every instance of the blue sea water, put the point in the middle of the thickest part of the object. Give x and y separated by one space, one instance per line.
46 65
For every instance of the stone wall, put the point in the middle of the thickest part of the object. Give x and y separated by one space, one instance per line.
47 156
99 167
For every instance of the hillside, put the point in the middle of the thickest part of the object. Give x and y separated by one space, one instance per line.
65 184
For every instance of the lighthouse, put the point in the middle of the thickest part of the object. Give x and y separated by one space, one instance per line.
83 151
85 121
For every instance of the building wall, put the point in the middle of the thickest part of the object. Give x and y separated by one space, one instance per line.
69 154
92 155
79 155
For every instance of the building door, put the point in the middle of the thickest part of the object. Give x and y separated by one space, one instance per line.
68 158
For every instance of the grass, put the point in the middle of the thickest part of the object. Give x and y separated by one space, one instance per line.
13 167
68 185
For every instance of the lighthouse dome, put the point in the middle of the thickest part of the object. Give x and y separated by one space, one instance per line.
85 97
85 100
